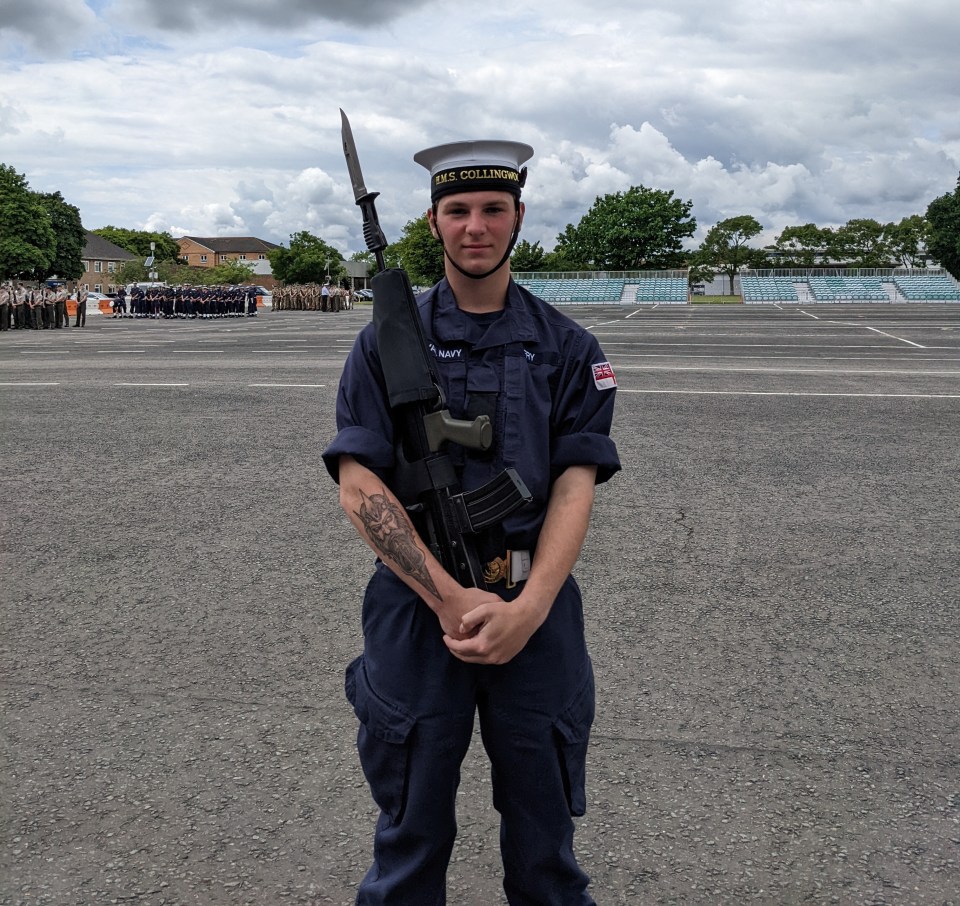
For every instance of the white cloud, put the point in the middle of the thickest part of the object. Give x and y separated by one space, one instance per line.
143 114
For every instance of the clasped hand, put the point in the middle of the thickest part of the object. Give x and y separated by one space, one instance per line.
490 630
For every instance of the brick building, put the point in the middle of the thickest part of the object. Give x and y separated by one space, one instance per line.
101 260
202 251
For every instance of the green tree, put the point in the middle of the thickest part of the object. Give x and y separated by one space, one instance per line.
418 253
725 250
137 242
639 228
943 215
134 272
560 259
863 243
308 260
527 257
234 273
28 244
699 271
802 246
69 238
908 240
569 253
365 257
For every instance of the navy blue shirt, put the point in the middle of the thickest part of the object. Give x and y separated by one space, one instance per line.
540 376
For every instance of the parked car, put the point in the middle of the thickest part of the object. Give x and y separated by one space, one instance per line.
364 295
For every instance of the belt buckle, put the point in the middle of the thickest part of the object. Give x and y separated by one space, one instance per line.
512 569
497 570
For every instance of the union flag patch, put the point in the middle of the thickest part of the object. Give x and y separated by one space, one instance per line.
603 376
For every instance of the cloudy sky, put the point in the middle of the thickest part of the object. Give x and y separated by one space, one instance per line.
220 117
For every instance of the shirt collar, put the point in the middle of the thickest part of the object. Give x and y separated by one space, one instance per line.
449 326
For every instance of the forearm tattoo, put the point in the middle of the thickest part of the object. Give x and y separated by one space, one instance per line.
391 533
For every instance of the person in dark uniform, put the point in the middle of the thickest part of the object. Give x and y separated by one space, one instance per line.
514 654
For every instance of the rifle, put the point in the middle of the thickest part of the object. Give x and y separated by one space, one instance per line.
426 480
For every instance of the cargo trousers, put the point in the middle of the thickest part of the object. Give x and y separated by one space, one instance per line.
416 705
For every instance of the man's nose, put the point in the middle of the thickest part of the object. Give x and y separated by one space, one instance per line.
476 222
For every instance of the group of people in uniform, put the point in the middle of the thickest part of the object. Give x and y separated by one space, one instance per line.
311 297
204 302
43 308
22 307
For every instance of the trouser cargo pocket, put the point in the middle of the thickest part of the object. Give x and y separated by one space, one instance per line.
572 730
382 741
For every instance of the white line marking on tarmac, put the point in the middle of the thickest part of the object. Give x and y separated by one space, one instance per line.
131 384
815 318
883 333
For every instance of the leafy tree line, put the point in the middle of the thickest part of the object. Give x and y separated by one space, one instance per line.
644 229
640 229
858 243
40 234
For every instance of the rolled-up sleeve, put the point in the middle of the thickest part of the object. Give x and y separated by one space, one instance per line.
364 424
583 414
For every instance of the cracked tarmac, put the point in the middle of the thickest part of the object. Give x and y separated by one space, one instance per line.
770 590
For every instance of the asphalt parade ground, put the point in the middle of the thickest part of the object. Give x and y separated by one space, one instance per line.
771 597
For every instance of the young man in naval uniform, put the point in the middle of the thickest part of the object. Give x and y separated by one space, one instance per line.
435 653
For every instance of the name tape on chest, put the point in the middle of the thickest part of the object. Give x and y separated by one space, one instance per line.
603 376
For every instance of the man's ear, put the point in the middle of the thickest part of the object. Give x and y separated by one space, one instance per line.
431 220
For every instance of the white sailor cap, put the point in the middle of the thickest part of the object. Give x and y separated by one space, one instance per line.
475 166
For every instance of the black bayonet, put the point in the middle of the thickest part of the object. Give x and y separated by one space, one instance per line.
425 480
372 234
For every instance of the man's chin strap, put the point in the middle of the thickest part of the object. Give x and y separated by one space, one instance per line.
493 270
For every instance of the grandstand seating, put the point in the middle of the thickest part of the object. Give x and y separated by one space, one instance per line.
662 290
768 289
847 289
575 290
801 287
928 289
